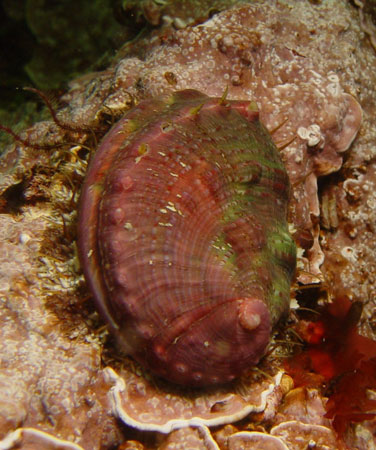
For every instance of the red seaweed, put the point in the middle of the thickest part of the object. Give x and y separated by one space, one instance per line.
338 360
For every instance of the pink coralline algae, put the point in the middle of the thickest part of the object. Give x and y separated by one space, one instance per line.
150 405
313 119
183 236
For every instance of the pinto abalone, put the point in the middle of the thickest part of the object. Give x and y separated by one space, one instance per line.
183 236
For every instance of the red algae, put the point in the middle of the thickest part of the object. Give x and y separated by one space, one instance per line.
338 360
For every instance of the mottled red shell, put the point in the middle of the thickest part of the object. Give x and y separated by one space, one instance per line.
183 236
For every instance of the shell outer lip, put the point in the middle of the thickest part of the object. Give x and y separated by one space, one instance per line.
87 219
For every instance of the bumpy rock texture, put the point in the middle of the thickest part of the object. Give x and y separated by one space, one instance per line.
303 63
299 97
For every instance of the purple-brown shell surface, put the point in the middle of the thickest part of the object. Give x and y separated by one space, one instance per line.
183 236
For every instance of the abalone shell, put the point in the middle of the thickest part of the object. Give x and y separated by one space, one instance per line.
183 236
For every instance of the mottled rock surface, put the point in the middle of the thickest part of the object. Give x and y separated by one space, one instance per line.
302 99
301 62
